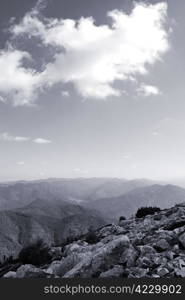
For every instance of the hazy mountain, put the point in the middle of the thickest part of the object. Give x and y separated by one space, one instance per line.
18 194
127 204
53 222
117 187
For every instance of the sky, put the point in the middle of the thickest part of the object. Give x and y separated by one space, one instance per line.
92 89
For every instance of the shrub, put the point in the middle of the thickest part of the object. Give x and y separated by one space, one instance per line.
91 237
144 211
122 218
35 254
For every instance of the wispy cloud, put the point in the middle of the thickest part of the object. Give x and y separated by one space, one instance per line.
2 99
126 156
155 133
89 56
41 141
5 136
21 163
148 90
65 94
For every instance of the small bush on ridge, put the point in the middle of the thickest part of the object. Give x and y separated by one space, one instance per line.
36 254
144 211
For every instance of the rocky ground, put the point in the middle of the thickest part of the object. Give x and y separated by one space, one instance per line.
153 246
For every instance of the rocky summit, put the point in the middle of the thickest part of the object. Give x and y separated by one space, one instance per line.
152 246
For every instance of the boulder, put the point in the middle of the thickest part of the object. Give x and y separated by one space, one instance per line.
161 245
100 260
116 271
182 239
144 262
10 274
53 267
28 271
136 272
162 271
70 262
147 251
55 252
110 230
180 272
129 256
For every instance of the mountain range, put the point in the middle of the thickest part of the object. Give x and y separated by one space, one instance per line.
59 209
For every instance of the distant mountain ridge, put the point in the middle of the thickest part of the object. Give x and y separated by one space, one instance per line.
163 196
19 194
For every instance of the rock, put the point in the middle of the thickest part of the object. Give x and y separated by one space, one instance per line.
74 247
181 263
147 251
28 271
144 262
176 249
169 255
110 230
182 239
137 272
160 260
100 260
129 257
162 271
79 247
116 271
10 274
53 267
55 252
70 262
161 245
179 231
157 217
180 272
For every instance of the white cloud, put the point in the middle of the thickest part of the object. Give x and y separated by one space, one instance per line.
21 163
89 56
65 94
41 141
17 82
148 90
126 156
155 133
2 99
5 136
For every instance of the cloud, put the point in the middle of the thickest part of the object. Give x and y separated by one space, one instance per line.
126 156
148 90
5 136
2 99
92 57
65 94
21 163
41 141
17 83
155 133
